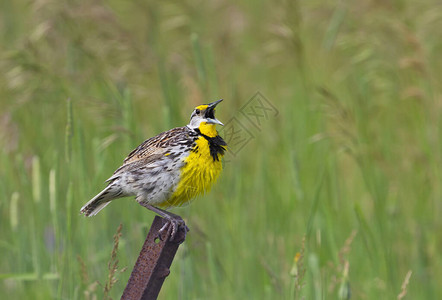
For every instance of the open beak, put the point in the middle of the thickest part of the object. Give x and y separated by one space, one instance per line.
214 121
214 103
210 113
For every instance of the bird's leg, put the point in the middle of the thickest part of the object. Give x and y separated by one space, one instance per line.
171 220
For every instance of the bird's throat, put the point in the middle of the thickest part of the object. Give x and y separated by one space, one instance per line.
208 129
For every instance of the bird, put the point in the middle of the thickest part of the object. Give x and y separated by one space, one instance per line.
170 169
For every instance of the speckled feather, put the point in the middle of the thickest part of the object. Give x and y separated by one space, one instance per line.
166 170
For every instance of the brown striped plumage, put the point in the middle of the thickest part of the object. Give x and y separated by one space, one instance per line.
152 172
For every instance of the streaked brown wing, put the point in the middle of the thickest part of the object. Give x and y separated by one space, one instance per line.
157 145
154 149
147 148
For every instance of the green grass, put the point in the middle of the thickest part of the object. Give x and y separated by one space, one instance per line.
351 163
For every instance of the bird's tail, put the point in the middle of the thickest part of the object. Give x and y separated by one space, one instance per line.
100 201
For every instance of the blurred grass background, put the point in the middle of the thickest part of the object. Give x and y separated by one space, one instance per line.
339 196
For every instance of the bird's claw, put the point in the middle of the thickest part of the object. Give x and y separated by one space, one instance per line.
177 224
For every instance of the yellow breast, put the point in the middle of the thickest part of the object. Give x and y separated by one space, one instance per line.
198 174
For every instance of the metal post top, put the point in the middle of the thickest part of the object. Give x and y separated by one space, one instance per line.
153 263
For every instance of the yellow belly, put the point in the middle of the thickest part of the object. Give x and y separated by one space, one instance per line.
197 176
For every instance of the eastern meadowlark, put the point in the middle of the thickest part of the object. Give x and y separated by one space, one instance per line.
169 169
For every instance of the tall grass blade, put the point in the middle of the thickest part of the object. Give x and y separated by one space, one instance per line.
13 211
36 180
199 59
69 132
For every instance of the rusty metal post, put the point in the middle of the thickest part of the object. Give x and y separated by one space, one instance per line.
153 263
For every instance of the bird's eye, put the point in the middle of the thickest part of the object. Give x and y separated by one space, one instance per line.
197 111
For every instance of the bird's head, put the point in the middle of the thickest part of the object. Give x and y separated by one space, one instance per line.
203 118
